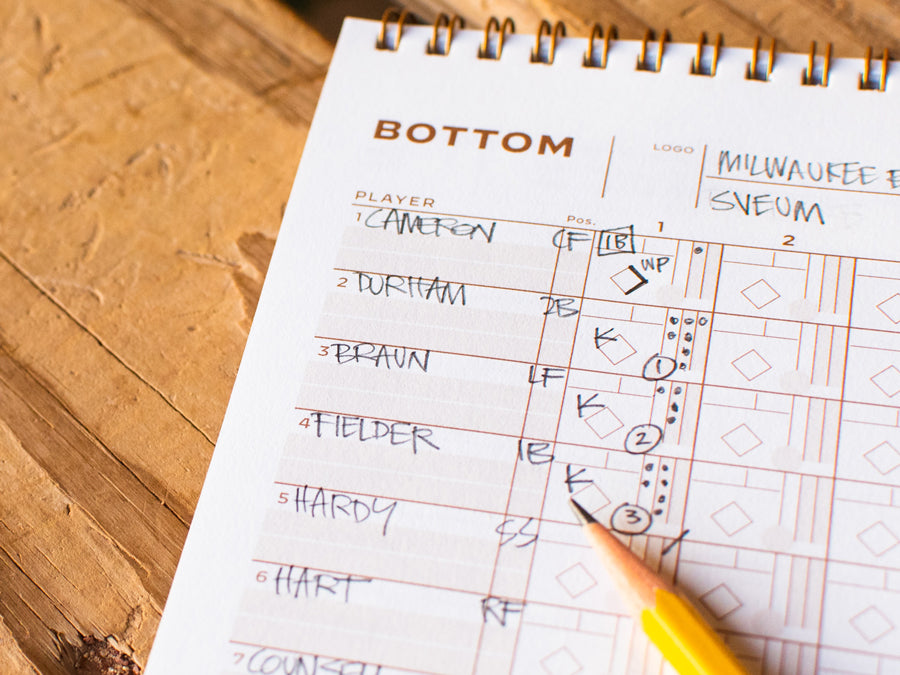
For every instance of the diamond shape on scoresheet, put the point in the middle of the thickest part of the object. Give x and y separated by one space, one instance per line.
872 624
720 601
760 294
884 457
592 499
604 422
560 662
751 365
576 580
741 440
731 518
628 280
878 539
891 308
617 350
888 380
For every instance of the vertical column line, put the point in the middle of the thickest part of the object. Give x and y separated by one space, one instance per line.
512 479
837 450
555 439
712 322
608 163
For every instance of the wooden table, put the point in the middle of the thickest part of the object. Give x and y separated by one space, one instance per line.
147 148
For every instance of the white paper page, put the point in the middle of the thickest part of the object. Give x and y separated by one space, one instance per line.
502 283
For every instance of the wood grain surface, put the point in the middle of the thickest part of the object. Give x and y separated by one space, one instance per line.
147 148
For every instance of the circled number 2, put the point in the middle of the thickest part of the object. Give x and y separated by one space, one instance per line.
643 438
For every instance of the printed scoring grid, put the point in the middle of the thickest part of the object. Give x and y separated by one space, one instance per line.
784 368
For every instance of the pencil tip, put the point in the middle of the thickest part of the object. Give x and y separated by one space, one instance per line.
584 517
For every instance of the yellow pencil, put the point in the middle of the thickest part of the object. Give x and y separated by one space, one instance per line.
669 620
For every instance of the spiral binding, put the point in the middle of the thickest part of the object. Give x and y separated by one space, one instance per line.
752 72
559 30
443 21
493 23
809 75
495 32
398 16
642 63
864 82
596 34
697 63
